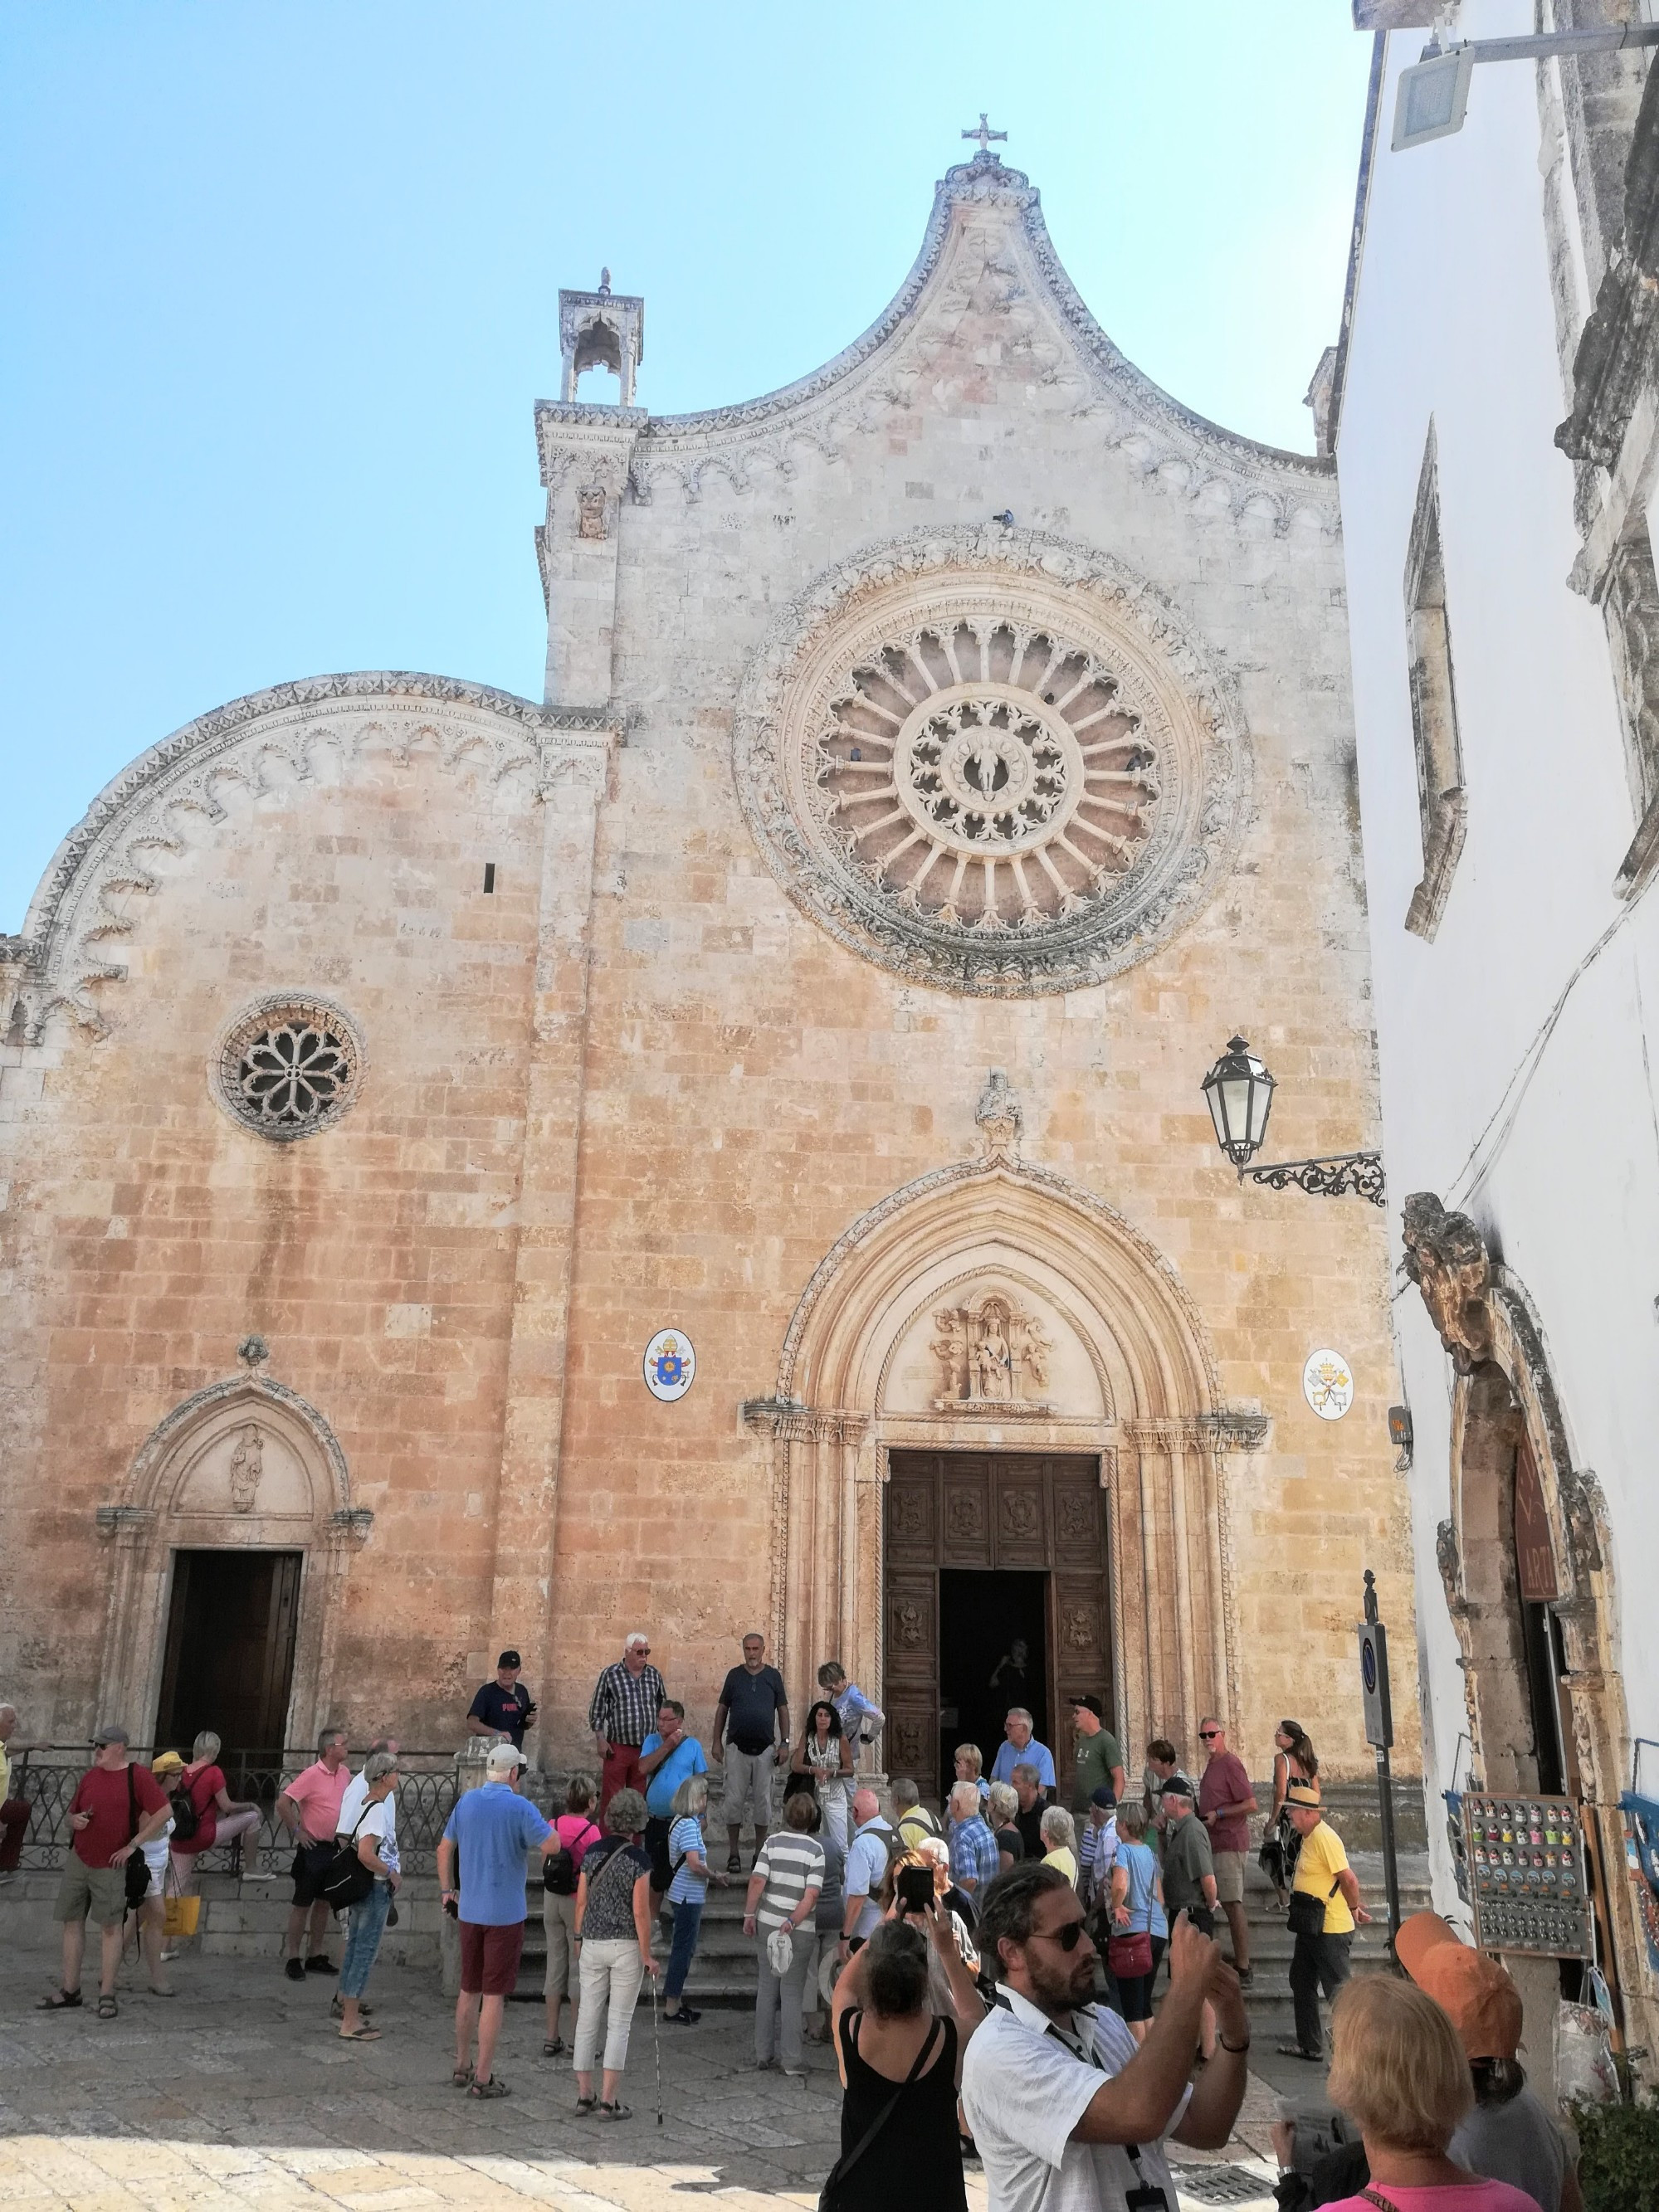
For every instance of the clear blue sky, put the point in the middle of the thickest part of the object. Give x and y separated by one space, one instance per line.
279 286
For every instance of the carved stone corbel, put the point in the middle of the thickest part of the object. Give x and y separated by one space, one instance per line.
1451 1572
1446 1257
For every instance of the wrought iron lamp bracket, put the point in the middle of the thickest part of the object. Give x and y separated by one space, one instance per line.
1333 1176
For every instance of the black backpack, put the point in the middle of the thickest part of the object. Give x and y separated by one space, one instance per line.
563 1869
185 1818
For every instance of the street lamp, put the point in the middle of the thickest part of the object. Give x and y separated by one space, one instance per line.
1434 92
1239 1093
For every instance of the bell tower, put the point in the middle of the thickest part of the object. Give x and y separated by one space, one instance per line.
601 330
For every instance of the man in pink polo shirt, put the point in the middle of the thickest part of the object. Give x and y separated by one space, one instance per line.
309 1808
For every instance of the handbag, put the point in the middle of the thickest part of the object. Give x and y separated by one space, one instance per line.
1130 1956
844 2164
347 1882
136 1869
1307 1914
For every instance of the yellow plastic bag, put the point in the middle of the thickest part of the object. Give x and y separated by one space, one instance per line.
181 1917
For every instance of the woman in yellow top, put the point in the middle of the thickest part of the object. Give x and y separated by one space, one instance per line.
1059 1836
1325 1908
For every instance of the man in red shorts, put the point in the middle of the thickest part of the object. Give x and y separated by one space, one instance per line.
493 1828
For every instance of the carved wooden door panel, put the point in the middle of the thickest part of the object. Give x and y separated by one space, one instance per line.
1081 1588
912 1678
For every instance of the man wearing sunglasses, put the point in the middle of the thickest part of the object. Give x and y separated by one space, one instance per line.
1066 2108
627 1699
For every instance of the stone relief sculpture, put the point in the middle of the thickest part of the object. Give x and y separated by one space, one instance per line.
247 1464
994 1357
1446 1257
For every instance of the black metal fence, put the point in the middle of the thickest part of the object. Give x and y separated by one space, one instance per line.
47 1774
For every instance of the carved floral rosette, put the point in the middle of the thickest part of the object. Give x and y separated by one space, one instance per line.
1035 614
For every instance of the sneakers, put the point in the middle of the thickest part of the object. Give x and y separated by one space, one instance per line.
320 1965
685 2017
294 1969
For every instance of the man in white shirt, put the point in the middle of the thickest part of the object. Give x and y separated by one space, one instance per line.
1070 2114
867 1861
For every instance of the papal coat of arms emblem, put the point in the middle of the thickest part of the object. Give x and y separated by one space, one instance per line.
1327 1384
669 1364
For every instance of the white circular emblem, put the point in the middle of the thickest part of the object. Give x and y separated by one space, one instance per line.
1327 1384
671 1365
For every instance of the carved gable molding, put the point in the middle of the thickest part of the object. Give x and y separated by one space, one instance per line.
82 905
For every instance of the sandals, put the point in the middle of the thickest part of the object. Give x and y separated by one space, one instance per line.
587 2106
106 2008
461 2078
734 1864
360 2035
493 2087
1295 2050
554 2047
60 2001
617 2112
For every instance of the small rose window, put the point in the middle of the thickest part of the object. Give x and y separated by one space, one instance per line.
288 1067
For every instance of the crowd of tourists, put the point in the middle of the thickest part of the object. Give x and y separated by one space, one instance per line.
988 1979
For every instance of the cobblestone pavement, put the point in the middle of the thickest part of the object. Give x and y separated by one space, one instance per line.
237 2094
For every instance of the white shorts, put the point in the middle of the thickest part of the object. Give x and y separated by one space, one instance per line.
748 1787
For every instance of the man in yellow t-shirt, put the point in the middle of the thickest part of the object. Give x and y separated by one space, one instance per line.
1320 1961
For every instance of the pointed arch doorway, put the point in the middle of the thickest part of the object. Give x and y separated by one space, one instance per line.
991 1373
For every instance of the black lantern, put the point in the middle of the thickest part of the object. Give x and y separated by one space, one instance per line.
1240 1094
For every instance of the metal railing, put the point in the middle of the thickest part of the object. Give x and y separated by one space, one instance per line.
46 1776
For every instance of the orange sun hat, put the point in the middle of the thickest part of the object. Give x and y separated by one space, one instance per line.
1474 1991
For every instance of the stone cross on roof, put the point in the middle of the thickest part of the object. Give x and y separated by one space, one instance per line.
985 135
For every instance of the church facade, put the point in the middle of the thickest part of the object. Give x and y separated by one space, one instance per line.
724 1147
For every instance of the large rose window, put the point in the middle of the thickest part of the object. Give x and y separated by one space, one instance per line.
1001 767
288 1067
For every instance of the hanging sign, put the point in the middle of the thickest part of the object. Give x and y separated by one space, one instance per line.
1327 1384
1535 1555
671 1365
1374 1683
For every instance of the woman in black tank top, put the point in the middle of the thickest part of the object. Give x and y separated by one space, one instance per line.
901 2065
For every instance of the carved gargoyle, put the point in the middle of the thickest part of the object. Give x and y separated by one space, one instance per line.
1446 1257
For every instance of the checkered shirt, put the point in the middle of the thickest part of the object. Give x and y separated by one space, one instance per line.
974 1854
625 1706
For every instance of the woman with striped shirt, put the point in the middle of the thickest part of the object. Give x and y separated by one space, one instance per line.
783 1894
688 1892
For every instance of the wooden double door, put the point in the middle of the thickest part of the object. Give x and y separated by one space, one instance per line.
997 1593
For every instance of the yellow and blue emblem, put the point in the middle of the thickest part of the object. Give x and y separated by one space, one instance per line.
671 1365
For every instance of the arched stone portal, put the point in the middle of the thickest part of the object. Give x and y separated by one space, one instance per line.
997 1309
244 1466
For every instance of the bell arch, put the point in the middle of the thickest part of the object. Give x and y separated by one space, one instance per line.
245 1464
1143 1401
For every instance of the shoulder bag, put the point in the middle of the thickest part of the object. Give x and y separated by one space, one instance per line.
347 1882
1307 1914
844 2164
136 1869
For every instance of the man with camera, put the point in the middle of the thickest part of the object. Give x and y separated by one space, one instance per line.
503 1708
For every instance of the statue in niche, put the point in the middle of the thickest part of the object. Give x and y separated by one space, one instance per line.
247 1464
591 520
994 1358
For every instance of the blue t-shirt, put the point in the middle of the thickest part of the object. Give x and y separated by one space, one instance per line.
494 1829
1034 1754
687 1889
1146 1915
685 1760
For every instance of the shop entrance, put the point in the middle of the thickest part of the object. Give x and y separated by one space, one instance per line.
984 1550
229 1657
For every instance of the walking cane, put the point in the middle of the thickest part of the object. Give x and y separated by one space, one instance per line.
656 2044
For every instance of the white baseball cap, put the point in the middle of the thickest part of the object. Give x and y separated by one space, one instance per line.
505 1759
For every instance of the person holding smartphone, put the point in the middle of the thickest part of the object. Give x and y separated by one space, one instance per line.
503 1708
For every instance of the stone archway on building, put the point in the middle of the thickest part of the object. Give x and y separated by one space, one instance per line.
245 1467
1526 1566
995 1309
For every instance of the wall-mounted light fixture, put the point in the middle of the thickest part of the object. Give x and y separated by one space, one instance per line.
1239 1093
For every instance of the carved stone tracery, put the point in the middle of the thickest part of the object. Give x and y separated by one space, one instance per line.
990 760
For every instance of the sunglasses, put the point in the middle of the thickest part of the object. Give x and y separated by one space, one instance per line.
1067 1937
1208 1735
